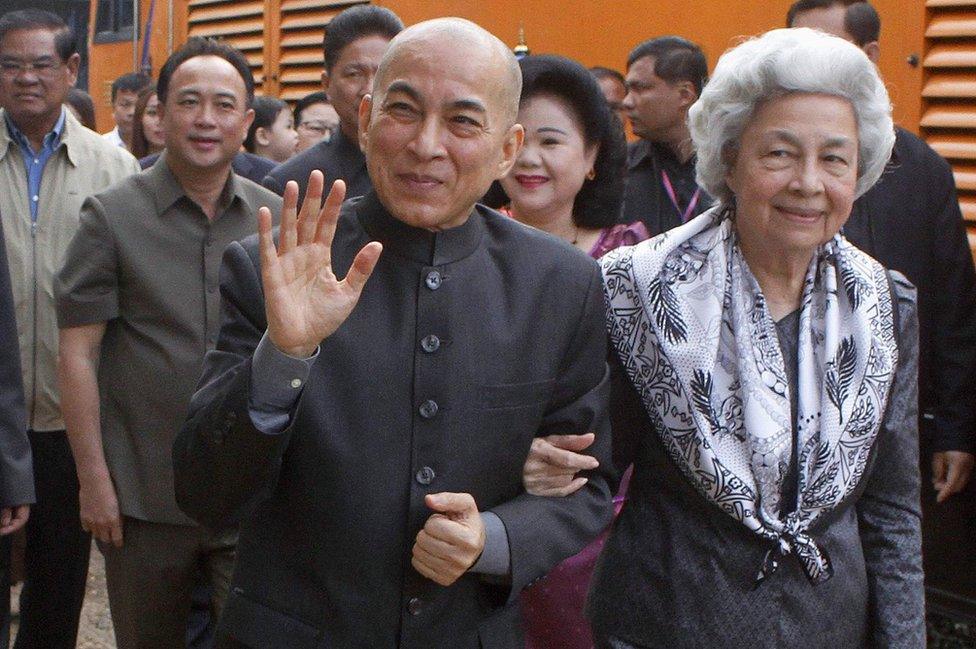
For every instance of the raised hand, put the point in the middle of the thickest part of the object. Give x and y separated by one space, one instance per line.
452 538
553 462
304 301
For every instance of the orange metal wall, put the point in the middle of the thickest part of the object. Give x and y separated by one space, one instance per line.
596 33
602 33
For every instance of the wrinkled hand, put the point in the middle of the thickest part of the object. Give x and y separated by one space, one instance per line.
13 518
951 471
452 539
554 461
304 301
100 510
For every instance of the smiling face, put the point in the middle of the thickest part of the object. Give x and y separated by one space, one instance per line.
351 79
152 125
437 132
34 96
552 164
794 174
205 116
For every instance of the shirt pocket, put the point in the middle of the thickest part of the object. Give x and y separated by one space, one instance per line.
508 396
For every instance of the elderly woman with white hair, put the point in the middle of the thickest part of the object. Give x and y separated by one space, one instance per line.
766 381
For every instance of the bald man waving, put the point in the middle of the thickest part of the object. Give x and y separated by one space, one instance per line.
369 433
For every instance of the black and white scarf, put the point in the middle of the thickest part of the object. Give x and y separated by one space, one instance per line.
694 334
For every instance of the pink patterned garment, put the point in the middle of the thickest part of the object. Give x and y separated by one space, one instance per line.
552 609
619 235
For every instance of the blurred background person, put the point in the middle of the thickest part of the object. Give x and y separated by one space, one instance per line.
272 134
568 180
665 76
353 46
148 135
82 107
125 92
315 119
49 165
614 88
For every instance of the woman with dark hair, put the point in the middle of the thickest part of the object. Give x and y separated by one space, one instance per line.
148 136
82 107
568 180
569 176
272 134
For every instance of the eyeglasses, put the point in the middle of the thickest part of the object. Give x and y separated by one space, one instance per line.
40 67
318 127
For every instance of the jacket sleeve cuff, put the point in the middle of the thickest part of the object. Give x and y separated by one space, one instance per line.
277 380
496 558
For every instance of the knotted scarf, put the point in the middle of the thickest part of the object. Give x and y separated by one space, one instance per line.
691 326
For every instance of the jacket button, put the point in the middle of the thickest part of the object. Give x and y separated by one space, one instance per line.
430 344
415 605
426 475
434 280
428 409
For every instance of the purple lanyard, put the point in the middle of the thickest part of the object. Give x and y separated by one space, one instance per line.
669 188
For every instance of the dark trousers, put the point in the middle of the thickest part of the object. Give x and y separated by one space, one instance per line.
56 558
151 579
4 592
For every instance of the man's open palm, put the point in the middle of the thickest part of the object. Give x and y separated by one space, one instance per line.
305 302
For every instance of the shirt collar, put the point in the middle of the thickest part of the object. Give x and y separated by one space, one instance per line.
51 140
167 189
418 244
645 150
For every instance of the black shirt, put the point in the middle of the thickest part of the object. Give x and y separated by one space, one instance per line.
646 198
910 222
337 158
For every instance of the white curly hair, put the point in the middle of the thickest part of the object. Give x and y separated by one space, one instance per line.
781 62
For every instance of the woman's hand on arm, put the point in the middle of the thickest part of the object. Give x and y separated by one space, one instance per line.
553 462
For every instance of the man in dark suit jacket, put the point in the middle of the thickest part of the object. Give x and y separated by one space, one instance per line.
370 437
16 468
354 44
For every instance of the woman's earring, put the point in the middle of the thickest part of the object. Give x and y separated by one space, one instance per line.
591 174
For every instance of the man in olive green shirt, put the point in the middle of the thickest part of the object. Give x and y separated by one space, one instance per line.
138 306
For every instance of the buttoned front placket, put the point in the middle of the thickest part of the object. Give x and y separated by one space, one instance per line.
211 280
431 421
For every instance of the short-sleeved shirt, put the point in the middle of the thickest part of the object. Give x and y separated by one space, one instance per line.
146 261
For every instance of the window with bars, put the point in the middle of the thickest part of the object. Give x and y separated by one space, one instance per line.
949 94
115 20
281 39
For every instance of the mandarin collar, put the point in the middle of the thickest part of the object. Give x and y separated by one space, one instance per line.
167 189
419 245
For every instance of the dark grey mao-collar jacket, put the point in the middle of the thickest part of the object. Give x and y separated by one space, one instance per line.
330 508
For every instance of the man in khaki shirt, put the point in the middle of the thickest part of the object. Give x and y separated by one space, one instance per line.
49 163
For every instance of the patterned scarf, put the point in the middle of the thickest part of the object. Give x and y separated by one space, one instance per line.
691 326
